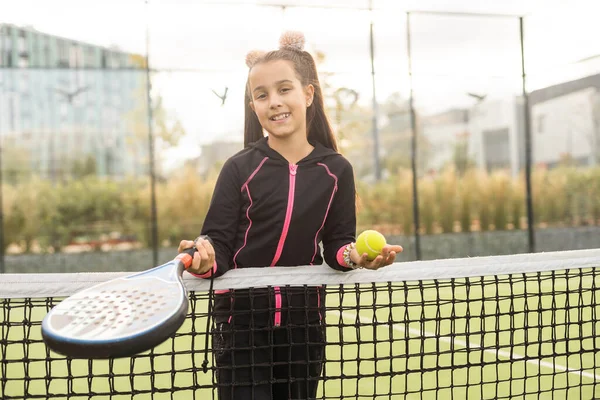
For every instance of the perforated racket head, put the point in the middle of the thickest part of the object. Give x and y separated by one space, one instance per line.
121 317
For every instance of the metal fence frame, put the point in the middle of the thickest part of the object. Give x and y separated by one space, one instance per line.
414 134
528 189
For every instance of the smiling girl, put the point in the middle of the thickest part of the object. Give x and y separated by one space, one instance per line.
275 203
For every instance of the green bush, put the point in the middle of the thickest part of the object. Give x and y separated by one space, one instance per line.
446 198
467 200
427 205
593 189
42 216
517 201
500 195
484 206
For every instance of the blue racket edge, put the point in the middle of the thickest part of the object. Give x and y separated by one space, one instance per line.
130 345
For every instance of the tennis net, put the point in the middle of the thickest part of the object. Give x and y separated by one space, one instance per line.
504 327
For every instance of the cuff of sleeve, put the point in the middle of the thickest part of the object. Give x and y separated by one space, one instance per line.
340 257
207 274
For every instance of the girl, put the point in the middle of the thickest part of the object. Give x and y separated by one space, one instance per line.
274 203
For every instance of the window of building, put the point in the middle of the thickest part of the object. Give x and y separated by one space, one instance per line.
74 56
90 56
63 54
46 61
6 47
541 119
22 42
496 147
23 62
2 39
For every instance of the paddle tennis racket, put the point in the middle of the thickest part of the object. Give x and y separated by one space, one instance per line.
123 316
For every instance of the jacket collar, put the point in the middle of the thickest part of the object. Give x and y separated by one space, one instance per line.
319 152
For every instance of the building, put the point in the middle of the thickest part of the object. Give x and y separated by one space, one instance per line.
214 154
497 134
442 134
489 134
565 122
63 101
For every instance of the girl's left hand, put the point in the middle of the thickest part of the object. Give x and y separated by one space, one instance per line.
387 257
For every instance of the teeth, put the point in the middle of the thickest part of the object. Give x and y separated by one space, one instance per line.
280 116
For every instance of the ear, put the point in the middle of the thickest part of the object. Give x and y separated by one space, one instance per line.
309 90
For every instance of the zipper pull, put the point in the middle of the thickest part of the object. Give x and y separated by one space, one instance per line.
293 168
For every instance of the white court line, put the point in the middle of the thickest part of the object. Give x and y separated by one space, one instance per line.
471 345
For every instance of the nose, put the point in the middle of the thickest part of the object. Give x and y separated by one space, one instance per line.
275 101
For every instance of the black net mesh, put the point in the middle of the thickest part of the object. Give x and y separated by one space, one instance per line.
526 336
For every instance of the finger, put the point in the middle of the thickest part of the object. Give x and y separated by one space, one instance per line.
364 259
210 251
199 244
206 244
378 262
385 252
391 258
184 244
196 260
199 266
375 263
202 252
392 247
397 249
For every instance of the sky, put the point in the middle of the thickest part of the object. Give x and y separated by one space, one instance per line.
198 46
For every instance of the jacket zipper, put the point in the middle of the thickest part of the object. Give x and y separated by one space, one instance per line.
286 227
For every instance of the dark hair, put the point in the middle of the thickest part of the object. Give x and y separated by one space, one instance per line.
317 125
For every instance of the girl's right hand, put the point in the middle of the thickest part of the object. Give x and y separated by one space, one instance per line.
204 258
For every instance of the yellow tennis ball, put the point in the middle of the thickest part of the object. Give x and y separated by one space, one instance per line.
370 242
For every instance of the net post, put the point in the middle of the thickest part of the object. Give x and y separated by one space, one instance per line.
413 147
376 161
153 210
528 150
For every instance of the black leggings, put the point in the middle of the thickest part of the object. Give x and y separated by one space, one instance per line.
268 363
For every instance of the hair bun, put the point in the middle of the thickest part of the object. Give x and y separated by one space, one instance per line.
292 40
253 56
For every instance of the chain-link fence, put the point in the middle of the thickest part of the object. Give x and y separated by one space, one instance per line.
470 134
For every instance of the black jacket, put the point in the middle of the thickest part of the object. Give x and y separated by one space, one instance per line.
267 212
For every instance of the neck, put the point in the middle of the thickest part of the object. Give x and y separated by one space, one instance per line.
293 148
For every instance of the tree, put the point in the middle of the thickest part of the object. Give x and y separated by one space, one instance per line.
353 124
16 162
596 126
461 158
167 129
350 120
82 167
345 100
396 136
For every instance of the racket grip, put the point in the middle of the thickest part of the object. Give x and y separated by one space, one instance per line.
186 256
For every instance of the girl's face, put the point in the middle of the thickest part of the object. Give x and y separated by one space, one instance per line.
279 99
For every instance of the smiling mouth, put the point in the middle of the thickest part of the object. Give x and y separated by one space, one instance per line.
279 117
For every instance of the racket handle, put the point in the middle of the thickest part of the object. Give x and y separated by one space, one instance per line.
186 256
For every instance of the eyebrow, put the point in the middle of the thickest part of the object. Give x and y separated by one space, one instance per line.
276 83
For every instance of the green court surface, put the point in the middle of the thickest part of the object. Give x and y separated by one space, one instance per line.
523 337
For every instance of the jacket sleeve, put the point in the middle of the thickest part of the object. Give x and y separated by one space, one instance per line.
340 225
222 219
